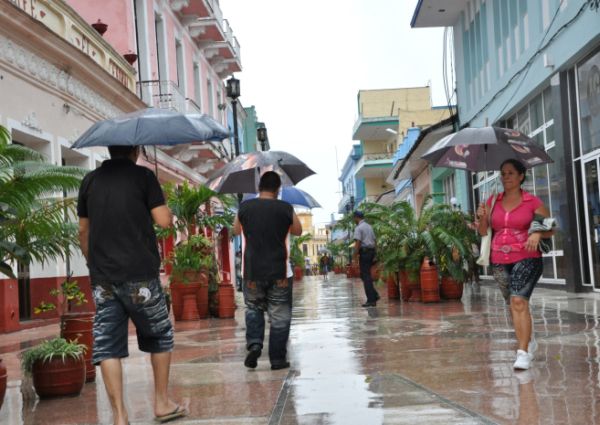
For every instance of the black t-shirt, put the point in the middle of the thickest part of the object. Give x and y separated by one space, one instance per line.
117 199
265 226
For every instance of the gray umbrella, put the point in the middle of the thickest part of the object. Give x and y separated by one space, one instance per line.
242 174
484 149
152 126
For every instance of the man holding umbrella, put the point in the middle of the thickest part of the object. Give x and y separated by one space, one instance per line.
117 206
266 223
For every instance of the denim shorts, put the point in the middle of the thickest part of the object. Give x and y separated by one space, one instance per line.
518 279
143 302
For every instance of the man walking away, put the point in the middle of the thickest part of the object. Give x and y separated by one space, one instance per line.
266 223
364 249
117 205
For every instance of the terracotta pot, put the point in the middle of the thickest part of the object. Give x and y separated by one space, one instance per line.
430 287
57 378
405 289
392 287
100 26
298 273
130 57
451 289
197 285
226 301
80 326
3 375
415 288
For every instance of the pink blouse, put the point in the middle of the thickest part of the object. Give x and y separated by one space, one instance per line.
510 229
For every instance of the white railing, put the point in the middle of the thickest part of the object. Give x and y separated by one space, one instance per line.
378 156
162 94
213 6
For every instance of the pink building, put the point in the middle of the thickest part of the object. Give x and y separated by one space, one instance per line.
60 75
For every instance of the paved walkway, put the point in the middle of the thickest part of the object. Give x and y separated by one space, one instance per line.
398 363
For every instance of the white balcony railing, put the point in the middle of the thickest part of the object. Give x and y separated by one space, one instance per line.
162 94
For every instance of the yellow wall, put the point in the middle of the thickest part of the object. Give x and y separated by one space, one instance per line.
374 146
420 118
376 186
389 102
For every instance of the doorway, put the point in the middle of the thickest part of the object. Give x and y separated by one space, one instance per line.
592 216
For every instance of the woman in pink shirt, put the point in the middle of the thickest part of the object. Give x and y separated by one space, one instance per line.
515 256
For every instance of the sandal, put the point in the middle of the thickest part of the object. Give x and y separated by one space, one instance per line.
179 412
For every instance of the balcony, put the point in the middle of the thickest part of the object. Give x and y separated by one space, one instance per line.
375 128
372 165
64 21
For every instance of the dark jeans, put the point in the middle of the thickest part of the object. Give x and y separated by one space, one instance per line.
272 296
365 261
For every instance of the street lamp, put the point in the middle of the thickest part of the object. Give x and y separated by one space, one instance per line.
261 134
233 92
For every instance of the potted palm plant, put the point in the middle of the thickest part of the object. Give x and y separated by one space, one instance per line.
296 255
57 367
34 225
74 326
190 262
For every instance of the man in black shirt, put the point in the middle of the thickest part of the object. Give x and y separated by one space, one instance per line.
117 205
266 223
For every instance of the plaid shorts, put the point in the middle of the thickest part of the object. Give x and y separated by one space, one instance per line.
143 302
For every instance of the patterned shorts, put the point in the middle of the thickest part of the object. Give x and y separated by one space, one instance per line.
143 302
518 279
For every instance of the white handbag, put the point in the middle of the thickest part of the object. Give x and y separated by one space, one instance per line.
486 240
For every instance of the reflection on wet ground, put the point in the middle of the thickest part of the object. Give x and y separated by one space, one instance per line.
398 363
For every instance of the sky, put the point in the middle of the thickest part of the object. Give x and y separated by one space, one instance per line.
304 62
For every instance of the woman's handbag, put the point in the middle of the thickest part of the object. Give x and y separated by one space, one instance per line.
486 240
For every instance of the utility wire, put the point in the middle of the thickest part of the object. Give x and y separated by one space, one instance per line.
529 62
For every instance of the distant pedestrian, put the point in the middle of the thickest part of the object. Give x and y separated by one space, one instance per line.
515 255
117 206
325 265
266 223
364 252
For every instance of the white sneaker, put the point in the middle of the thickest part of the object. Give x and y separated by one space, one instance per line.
523 360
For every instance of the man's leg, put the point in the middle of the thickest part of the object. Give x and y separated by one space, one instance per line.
255 300
280 313
147 309
110 345
112 375
161 365
365 263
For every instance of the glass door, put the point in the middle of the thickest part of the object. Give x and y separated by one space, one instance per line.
592 199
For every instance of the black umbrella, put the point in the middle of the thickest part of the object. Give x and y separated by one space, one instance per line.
485 149
152 126
243 173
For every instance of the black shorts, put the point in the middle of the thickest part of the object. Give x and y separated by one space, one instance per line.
143 302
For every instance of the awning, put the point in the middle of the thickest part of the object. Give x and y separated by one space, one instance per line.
412 165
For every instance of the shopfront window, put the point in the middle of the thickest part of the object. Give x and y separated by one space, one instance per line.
537 121
588 78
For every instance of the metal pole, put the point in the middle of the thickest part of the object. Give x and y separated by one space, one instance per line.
235 128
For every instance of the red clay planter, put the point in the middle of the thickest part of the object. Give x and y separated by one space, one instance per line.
226 301
80 326
430 287
3 375
451 289
56 378
392 287
192 283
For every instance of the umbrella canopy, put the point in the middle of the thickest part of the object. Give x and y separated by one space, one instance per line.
485 149
292 195
152 126
243 173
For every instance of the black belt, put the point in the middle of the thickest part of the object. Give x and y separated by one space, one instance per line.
367 248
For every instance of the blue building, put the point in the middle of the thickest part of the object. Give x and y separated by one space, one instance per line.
353 188
534 65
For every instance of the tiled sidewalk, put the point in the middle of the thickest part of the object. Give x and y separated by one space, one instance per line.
398 363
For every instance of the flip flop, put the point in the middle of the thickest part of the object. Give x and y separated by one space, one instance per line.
179 412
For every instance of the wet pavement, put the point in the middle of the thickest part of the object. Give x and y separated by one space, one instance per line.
398 363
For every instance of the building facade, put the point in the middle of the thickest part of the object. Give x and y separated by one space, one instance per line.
59 75
534 66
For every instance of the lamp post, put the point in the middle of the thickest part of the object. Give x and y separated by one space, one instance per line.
233 92
349 210
261 134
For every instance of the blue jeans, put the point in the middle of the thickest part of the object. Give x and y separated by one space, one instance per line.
365 261
274 297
